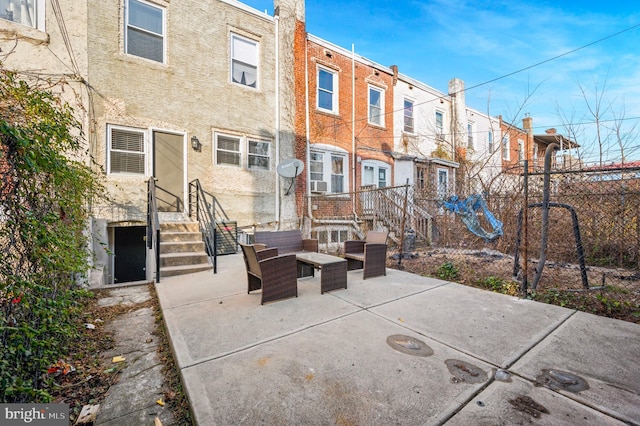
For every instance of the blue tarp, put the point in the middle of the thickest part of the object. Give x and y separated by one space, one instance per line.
467 210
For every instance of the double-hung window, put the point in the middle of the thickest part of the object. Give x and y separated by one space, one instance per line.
470 136
244 61
258 154
228 150
520 150
439 123
408 116
505 147
376 106
327 90
145 30
25 12
490 141
337 172
242 151
126 151
328 170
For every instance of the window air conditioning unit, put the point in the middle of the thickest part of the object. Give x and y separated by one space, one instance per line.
318 186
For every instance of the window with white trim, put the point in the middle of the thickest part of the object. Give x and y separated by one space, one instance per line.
337 172
376 173
30 13
443 183
126 151
258 155
490 141
328 169
439 122
376 106
145 30
327 98
242 151
408 116
470 136
505 147
520 150
228 150
244 61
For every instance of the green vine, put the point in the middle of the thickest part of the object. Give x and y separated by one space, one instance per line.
45 192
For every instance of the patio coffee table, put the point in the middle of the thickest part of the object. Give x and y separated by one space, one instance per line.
334 269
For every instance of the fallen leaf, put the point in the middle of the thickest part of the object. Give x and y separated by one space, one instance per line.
160 402
118 359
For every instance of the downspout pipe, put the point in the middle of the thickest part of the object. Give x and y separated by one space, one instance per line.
307 131
354 153
277 48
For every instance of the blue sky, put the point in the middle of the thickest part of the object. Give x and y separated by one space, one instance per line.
484 42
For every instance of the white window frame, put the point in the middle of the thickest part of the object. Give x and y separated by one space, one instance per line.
490 146
333 92
439 128
376 119
145 149
504 146
328 153
243 153
243 59
376 166
162 35
35 18
470 138
520 150
408 115
442 187
266 156
218 150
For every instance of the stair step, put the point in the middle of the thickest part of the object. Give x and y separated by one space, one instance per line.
182 247
178 259
179 227
169 237
171 271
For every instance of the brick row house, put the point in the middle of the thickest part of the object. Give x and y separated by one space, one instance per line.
222 94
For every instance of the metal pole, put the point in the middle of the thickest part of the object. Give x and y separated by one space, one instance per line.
525 259
404 219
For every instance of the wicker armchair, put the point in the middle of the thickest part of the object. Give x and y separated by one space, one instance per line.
275 275
370 254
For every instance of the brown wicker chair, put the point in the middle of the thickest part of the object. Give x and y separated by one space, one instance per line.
370 254
275 275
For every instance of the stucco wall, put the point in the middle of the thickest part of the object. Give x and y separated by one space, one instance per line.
190 94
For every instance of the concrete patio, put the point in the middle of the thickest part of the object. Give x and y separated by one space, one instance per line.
399 349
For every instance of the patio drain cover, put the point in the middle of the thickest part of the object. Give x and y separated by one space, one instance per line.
561 380
465 372
409 345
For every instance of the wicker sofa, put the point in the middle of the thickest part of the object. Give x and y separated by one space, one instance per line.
286 241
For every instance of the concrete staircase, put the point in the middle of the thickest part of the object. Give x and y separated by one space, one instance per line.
182 250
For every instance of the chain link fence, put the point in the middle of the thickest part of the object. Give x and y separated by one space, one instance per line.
606 204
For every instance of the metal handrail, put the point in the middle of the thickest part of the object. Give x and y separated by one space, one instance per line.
202 208
153 225
175 203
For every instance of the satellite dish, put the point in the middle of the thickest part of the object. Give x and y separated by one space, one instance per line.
290 168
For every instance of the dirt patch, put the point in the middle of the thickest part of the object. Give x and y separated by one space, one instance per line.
94 373
613 292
